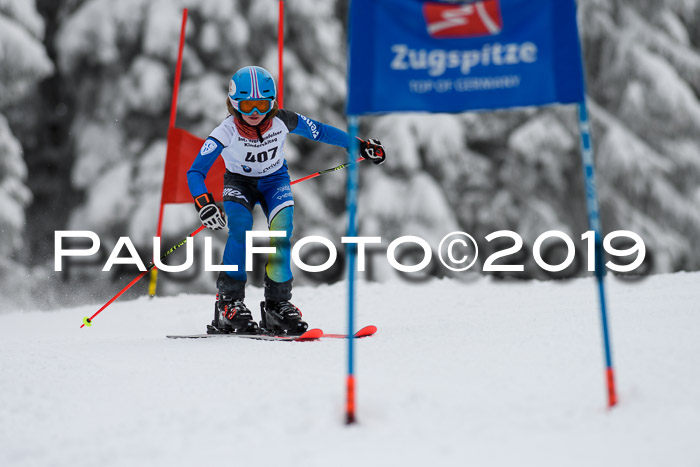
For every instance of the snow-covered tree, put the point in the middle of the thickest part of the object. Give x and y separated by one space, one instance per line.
23 62
478 172
646 87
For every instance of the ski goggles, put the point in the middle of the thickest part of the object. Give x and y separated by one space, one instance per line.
247 107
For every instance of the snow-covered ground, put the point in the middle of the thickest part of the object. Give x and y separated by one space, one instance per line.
461 374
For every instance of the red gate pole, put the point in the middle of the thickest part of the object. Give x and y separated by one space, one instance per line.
173 112
280 55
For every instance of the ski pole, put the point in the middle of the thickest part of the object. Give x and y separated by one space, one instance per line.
321 172
88 321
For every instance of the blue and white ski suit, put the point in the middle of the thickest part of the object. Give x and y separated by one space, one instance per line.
256 173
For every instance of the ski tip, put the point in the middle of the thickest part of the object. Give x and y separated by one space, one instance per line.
311 334
366 331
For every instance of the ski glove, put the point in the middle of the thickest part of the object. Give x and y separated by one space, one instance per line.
373 150
209 213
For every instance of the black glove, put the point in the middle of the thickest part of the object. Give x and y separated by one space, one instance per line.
209 213
373 150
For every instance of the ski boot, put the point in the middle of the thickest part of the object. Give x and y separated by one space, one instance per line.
281 318
231 316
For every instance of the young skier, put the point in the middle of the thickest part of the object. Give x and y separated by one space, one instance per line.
251 142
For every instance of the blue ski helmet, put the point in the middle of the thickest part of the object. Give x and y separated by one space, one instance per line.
251 83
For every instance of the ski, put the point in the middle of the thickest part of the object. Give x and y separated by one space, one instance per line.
364 332
310 335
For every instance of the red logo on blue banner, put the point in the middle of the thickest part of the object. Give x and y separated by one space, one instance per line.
482 18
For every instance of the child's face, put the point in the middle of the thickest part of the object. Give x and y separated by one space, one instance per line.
253 119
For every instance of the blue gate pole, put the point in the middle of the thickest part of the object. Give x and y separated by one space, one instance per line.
594 225
350 250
